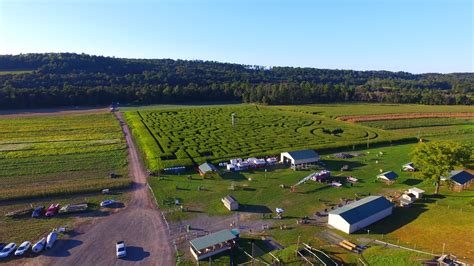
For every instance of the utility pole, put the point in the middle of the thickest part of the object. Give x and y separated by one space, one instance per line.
298 245
444 244
368 138
233 119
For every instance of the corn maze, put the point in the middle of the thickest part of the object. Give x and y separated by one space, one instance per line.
189 136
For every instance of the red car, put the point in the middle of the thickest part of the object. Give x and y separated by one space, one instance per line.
52 210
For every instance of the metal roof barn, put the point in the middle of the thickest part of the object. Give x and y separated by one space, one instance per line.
359 214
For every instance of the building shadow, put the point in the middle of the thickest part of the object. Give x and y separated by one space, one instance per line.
136 254
412 182
237 176
399 218
254 208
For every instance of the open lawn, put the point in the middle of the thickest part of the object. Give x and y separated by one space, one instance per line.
57 155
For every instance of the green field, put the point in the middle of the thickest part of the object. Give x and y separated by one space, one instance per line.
189 136
57 155
185 135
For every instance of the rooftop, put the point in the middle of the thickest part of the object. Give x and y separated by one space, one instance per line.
303 154
460 176
417 190
229 198
390 175
363 208
207 167
213 239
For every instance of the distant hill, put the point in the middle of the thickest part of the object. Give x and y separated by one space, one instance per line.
61 79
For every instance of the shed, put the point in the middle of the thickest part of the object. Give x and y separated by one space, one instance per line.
212 244
388 177
460 180
207 168
298 158
408 167
407 199
359 214
417 192
230 203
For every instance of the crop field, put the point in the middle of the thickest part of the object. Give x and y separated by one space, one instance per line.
189 136
56 155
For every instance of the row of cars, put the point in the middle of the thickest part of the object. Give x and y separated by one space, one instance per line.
43 243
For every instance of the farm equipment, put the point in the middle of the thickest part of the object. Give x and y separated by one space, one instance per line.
279 212
316 176
349 246
70 208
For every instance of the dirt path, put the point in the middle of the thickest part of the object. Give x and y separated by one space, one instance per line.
139 224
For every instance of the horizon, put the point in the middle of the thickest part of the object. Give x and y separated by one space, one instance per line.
251 65
366 35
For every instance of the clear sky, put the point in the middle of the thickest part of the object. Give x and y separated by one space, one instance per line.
398 35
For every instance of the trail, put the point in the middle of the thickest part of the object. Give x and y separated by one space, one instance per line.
139 224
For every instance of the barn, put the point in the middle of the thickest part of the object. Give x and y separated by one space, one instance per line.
299 158
388 177
207 169
359 214
460 180
230 203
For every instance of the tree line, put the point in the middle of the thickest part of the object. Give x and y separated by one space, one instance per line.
62 79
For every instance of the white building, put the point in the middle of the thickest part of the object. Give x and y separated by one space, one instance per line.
295 158
359 214
417 192
230 203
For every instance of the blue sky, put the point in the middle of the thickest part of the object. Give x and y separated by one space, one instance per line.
398 35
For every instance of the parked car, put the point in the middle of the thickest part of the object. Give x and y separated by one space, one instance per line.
52 210
51 239
70 208
7 250
106 203
121 249
37 211
39 246
23 248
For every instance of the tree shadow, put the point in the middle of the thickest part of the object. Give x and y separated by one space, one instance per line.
316 189
412 182
62 248
399 218
135 254
254 208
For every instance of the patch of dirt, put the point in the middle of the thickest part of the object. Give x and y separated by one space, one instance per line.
50 112
365 118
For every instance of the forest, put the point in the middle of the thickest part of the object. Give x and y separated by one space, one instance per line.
68 79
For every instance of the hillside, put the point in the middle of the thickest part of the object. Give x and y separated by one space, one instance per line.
46 80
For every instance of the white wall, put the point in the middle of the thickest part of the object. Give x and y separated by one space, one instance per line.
336 221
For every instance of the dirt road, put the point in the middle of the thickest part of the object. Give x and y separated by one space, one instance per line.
139 224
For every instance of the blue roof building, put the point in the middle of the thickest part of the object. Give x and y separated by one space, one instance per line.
359 214
459 180
389 176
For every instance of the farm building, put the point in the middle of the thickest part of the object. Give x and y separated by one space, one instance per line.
388 177
408 167
359 214
417 192
207 169
459 180
299 158
230 203
212 244
407 199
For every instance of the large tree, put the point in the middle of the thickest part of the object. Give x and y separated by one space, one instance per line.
436 159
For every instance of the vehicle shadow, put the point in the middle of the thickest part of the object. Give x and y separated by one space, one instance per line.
61 248
136 254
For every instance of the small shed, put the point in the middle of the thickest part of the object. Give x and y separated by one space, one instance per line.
408 167
359 214
388 177
230 203
407 199
207 169
299 158
212 244
417 192
460 180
